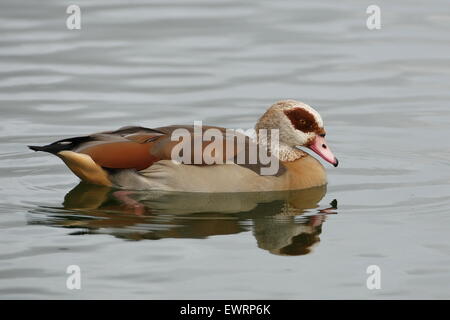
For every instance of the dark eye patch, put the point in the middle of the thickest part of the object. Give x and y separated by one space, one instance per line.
302 120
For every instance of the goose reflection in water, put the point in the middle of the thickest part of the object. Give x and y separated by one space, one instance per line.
283 223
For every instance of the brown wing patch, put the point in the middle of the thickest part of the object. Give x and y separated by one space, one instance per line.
303 120
122 155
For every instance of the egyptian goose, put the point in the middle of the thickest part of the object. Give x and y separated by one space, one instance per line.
141 158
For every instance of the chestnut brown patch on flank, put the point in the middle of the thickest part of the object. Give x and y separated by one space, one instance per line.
303 120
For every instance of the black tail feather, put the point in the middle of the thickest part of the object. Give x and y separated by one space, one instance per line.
51 148
36 148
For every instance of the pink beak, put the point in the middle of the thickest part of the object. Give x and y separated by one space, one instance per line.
319 146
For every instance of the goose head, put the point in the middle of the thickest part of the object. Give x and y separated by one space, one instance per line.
299 125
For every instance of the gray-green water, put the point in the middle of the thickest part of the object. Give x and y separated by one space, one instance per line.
384 95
